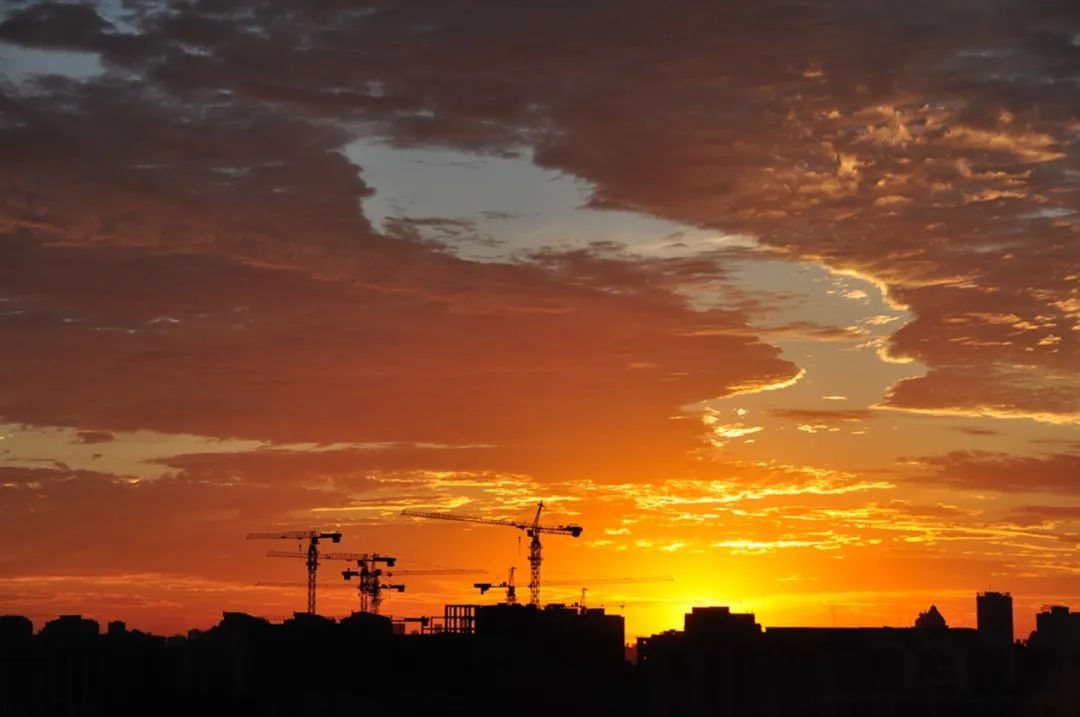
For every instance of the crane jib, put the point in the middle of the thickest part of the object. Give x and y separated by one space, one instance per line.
532 529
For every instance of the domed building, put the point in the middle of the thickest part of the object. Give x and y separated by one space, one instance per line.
931 619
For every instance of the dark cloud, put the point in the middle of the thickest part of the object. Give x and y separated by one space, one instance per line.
914 146
124 338
179 524
48 24
1035 514
204 259
975 430
990 471
343 468
182 249
1004 391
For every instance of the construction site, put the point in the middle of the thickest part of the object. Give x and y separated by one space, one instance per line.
502 653
377 576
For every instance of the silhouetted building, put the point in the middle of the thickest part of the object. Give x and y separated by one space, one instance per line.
553 661
1058 630
870 671
591 637
719 623
70 658
723 664
1053 664
19 671
15 629
713 667
459 619
71 629
995 618
931 620
369 624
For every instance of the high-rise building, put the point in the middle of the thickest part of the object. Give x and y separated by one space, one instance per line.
995 617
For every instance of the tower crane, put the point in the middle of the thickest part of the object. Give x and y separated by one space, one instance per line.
605 581
331 555
532 529
507 585
313 537
371 586
371 589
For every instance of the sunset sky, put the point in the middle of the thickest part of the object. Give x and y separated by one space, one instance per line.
780 299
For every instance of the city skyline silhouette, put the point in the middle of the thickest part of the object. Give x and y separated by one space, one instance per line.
647 307
722 662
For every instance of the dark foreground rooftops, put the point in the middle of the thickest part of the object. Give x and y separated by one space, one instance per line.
556 660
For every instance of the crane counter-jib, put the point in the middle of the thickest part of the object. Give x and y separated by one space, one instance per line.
533 529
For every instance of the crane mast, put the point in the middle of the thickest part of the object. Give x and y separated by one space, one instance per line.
511 592
311 559
534 558
371 586
368 589
532 529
